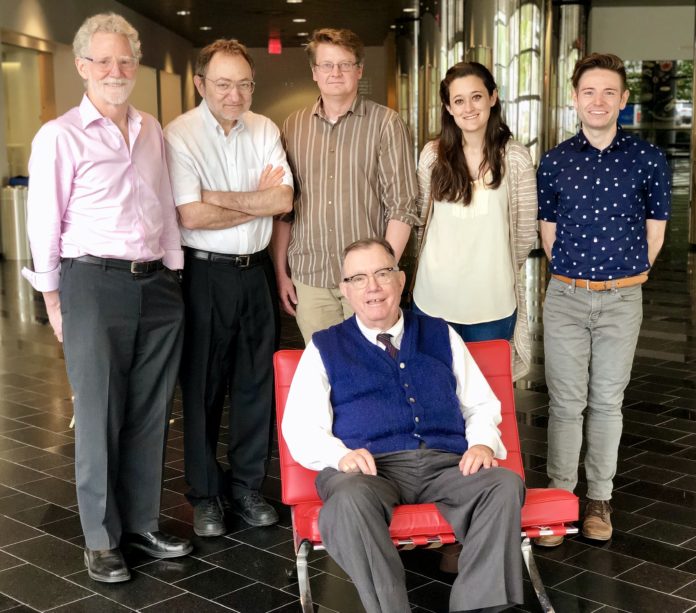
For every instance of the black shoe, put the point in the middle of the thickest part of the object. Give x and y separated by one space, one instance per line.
254 510
106 565
208 519
157 544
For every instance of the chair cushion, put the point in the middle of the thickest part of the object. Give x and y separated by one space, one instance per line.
543 507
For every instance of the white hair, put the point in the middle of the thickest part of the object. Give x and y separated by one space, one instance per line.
105 22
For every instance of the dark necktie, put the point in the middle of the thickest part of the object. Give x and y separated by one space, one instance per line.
385 339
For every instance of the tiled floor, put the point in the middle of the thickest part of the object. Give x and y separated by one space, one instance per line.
649 566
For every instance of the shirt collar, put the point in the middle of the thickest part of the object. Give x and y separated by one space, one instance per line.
581 143
356 108
89 113
397 331
213 123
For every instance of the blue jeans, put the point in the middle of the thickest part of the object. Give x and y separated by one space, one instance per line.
589 342
486 331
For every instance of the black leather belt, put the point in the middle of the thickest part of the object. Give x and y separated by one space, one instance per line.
238 261
135 268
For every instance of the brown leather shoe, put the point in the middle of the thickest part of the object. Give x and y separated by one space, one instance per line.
597 522
550 540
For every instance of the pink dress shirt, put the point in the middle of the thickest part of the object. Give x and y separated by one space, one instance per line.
90 194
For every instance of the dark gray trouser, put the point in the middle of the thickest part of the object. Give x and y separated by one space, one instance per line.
122 344
483 509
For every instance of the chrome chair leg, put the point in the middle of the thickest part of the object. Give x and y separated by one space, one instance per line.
303 552
535 577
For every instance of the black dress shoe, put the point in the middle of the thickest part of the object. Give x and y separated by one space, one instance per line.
157 544
208 519
254 510
106 565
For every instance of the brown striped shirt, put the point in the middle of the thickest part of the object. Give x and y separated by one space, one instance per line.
351 178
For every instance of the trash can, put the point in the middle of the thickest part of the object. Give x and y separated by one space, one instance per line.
13 223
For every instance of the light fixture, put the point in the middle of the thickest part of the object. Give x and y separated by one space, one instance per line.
302 34
205 28
183 13
410 10
299 20
294 1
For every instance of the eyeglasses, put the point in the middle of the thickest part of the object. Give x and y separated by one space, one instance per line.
327 67
126 63
222 86
383 276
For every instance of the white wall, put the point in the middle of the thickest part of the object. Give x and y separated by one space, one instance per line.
643 32
284 82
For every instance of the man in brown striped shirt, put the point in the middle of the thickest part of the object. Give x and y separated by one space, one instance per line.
354 178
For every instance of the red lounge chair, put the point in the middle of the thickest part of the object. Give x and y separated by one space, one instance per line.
546 511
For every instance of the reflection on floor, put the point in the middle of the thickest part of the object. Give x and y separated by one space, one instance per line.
649 565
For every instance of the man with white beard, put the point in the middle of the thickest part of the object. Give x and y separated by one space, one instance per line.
105 245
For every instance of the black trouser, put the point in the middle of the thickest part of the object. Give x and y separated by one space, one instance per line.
231 334
122 343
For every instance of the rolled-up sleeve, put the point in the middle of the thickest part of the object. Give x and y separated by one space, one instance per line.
51 172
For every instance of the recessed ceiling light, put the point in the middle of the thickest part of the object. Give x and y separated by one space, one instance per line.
205 28
299 20
302 34
392 27
183 13
294 1
410 10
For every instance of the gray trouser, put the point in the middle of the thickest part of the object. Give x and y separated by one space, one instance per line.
589 343
122 343
483 509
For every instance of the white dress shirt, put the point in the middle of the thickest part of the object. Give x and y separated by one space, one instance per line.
201 157
308 418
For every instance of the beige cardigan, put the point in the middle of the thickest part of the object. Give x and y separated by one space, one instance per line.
520 180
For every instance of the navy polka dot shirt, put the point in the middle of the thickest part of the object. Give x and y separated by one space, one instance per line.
599 201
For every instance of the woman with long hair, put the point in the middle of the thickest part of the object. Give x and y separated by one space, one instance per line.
478 202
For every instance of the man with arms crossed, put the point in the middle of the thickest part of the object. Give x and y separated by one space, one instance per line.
604 201
229 177
355 178
104 240
392 409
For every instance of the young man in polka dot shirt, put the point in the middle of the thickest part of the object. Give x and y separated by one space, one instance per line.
604 201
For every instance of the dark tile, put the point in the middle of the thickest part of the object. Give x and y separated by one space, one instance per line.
11 505
263 537
22 583
14 410
663 493
657 577
8 561
185 604
654 475
12 531
666 532
67 528
603 561
253 563
92 604
51 489
47 421
678 515
37 437
50 553
141 591
175 569
42 514
14 474
213 583
622 595
256 597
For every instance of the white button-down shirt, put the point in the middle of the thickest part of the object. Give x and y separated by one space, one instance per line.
201 157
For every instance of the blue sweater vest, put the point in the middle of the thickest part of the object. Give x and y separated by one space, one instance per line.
387 405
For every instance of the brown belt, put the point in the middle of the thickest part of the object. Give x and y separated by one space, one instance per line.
599 286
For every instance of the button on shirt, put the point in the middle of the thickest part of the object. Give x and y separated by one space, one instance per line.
89 193
308 418
202 157
600 201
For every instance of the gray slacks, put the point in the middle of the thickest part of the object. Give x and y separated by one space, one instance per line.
589 342
122 343
483 509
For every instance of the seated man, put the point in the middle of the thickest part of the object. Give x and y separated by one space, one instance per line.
392 409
